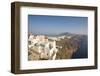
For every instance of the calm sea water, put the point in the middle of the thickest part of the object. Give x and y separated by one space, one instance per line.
82 52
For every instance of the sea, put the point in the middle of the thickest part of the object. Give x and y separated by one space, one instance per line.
82 51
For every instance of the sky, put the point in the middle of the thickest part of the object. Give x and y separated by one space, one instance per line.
42 24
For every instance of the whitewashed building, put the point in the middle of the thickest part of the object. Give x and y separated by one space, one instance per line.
47 49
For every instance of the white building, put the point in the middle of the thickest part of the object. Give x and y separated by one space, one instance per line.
46 49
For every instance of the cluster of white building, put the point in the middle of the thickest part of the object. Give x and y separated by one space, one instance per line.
46 49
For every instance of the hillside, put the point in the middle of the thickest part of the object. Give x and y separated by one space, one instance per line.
62 46
70 46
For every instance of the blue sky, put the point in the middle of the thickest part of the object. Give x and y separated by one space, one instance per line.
40 24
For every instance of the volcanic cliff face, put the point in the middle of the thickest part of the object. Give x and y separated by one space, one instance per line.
70 46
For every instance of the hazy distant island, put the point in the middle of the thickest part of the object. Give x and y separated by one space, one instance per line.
60 46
